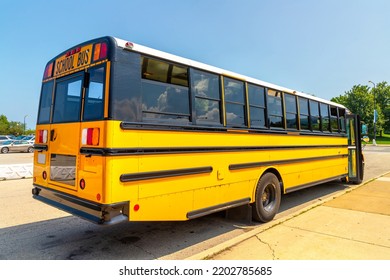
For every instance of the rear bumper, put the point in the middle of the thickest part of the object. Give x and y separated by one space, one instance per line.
103 214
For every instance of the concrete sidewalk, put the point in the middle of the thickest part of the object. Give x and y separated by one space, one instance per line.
355 225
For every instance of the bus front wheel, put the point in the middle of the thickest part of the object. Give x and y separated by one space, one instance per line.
268 196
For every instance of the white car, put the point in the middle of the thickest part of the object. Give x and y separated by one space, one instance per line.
16 146
4 138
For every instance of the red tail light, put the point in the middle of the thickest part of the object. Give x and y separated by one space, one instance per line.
82 184
42 136
90 136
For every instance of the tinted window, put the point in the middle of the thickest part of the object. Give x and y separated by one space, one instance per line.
235 102
45 103
165 72
164 101
67 102
291 110
314 115
275 109
165 94
205 88
342 119
256 95
304 113
93 107
333 119
125 95
325 121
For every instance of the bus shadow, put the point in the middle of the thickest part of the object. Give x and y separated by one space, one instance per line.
73 238
308 196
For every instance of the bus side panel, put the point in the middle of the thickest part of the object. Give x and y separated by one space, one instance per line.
157 163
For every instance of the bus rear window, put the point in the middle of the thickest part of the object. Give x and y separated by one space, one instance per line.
45 103
67 102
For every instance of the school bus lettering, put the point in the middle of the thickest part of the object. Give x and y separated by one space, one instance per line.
83 58
64 65
73 60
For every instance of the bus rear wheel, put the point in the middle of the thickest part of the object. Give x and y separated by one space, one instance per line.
268 196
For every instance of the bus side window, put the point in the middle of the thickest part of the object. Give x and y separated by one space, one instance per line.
304 117
234 102
165 93
291 111
275 109
333 119
325 122
314 115
257 110
342 119
205 87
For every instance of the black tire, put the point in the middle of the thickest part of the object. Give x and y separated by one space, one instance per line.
267 198
30 150
4 150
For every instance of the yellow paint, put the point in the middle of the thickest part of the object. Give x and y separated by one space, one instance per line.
172 198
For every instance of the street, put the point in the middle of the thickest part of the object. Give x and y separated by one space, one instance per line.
32 230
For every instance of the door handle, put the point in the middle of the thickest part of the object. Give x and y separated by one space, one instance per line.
53 135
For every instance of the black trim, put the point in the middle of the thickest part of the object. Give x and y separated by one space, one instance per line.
304 186
131 177
224 206
182 150
39 147
220 129
277 162
169 127
91 211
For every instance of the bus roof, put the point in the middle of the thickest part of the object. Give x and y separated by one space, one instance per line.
192 63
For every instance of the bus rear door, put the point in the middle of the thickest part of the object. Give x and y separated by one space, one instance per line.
65 130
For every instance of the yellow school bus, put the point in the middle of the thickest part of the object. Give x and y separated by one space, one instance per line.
129 133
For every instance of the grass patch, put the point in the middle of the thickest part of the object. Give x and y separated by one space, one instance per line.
384 139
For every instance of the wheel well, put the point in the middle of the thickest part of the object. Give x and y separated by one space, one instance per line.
277 174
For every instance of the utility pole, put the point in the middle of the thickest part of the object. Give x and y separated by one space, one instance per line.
375 114
24 124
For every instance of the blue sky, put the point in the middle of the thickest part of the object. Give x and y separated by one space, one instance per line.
317 47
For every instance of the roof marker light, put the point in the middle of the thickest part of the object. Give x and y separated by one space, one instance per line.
129 45
100 51
103 51
96 52
48 71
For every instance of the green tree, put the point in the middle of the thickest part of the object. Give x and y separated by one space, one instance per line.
360 100
381 92
4 124
15 128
